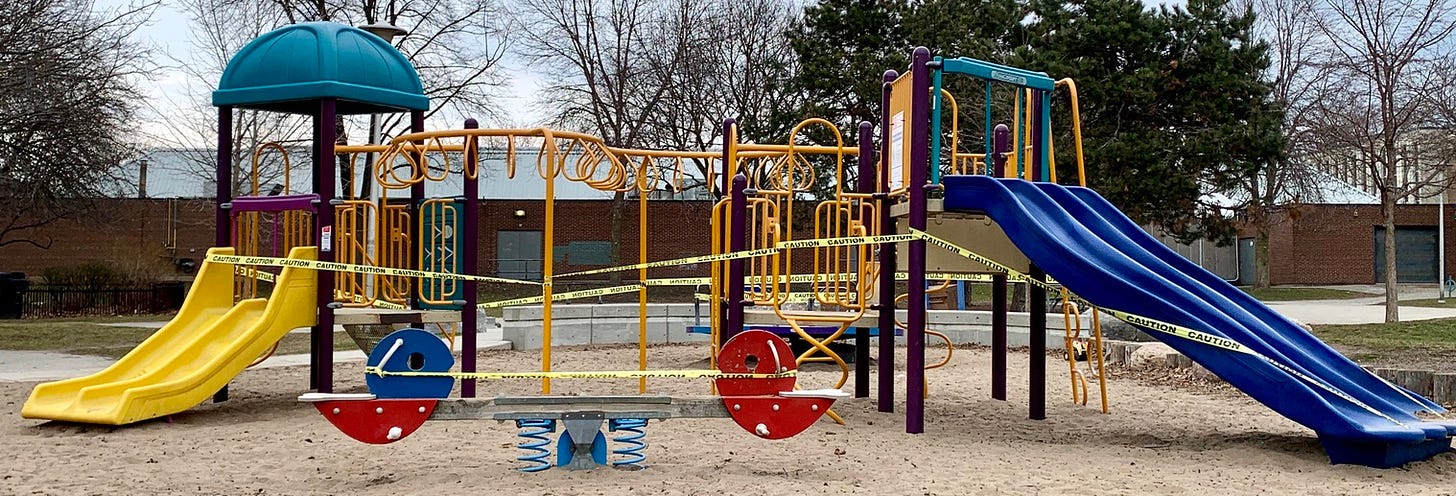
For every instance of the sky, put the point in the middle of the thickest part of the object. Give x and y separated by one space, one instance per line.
168 34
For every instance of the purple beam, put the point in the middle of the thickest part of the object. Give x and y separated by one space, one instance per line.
223 235
1037 401
305 202
417 194
224 175
737 237
886 365
915 307
469 248
999 285
324 171
1003 145
724 308
862 333
998 337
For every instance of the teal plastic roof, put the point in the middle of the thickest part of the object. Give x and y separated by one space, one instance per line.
291 68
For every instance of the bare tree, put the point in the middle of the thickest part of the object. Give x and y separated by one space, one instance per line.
68 75
741 65
455 45
1297 80
610 62
1388 61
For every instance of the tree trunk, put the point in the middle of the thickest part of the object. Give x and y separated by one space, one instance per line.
1261 256
346 175
1259 217
618 203
1392 291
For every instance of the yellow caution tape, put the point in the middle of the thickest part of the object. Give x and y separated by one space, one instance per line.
846 241
1011 274
361 269
677 261
605 374
254 273
679 281
570 295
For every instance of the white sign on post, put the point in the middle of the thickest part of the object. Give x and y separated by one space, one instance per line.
326 238
897 151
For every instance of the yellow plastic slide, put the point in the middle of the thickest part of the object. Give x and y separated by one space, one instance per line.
207 344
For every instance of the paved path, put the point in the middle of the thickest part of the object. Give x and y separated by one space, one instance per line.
1354 311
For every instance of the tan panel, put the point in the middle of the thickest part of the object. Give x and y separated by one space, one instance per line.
899 156
977 233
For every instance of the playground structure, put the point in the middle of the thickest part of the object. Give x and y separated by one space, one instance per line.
996 212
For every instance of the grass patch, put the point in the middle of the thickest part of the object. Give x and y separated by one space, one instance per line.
1297 293
1421 344
86 336
1426 335
81 336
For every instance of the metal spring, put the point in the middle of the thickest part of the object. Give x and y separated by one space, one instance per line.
535 444
631 442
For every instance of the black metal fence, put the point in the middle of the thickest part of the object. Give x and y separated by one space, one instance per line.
44 301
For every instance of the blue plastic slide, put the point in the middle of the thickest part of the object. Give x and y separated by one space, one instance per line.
1086 244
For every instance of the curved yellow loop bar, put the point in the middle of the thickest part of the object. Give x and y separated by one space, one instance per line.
1076 129
287 166
838 147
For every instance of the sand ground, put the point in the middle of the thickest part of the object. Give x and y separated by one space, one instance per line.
1158 440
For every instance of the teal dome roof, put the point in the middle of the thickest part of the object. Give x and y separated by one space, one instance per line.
291 68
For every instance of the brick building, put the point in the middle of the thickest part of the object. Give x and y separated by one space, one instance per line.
156 238
1341 244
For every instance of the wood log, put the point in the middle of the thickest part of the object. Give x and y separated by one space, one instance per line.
1418 381
1443 388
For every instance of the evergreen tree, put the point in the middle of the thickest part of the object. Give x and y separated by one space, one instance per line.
1172 105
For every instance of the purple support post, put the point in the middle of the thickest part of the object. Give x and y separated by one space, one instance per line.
224 175
886 365
469 264
324 172
919 181
1003 145
999 285
724 308
417 195
223 237
1037 401
737 185
862 333
998 337
737 237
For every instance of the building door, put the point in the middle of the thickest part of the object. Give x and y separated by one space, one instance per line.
1415 254
1247 269
518 255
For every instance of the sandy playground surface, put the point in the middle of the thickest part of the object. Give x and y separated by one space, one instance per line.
1159 439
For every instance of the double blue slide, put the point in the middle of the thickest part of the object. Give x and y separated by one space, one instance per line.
1094 250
